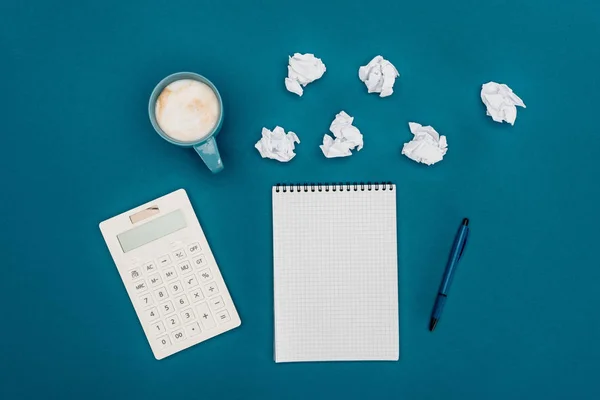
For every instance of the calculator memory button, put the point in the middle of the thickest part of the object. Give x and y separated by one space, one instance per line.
205 275
182 301
184 267
179 254
194 248
175 288
135 273
158 328
169 273
140 286
223 316
200 261
163 342
187 315
161 294
192 329
155 280
146 300
164 260
178 335
149 267
167 308
197 295
190 282
205 316
217 303
172 321
151 314
211 289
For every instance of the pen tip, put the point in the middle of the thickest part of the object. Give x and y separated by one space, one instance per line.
465 221
432 323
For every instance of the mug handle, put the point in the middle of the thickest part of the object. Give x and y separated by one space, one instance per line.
210 155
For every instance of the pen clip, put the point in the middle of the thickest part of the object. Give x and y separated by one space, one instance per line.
464 243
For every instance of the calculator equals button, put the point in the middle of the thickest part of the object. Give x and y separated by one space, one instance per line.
223 316
205 315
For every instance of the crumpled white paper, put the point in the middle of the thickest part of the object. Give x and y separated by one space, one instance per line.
277 144
302 70
379 75
347 137
501 102
427 146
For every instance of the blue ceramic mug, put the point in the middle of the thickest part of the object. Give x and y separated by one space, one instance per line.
205 147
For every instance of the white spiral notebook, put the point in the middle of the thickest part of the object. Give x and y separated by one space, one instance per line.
335 272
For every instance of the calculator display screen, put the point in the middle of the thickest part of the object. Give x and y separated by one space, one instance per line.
153 230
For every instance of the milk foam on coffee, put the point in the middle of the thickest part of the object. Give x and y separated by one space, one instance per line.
187 110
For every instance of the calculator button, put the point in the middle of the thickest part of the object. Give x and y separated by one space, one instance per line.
169 273
163 342
155 280
205 275
161 294
146 300
140 286
200 261
197 295
135 273
217 303
192 329
158 328
194 248
205 315
190 282
187 315
182 301
223 316
175 288
151 314
173 321
164 260
149 267
185 267
167 308
179 254
178 335
211 289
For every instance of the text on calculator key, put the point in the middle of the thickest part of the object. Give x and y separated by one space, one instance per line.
172 321
223 316
169 273
194 248
187 315
151 314
190 281
167 308
197 295
211 289
140 286
161 294
178 335
205 316
155 280
200 261
185 267
217 303
149 267
164 260
205 275
192 329
158 328
163 342
175 287
146 300
179 254
135 273
182 301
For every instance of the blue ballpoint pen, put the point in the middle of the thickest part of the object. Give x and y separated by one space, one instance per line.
455 254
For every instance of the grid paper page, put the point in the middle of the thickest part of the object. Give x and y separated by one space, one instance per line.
335 275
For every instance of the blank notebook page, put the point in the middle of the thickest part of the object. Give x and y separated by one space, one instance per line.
335 273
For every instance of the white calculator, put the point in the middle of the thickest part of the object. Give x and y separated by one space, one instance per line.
170 274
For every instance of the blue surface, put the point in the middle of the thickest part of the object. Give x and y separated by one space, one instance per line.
522 321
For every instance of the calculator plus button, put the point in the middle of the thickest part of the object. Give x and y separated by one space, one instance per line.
149 267
155 280
190 282
169 273
158 328
167 308
185 267
161 294
205 316
192 329
197 295
146 300
135 273
178 335
200 261
211 289
205 275
175 288
164 260
163 342
140 286
179 254
151 314
182 301
217 303
172 321
187 315
194 249
223 316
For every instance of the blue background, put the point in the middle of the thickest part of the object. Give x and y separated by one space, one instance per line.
77 148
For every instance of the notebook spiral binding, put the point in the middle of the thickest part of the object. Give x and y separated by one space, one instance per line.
333 187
